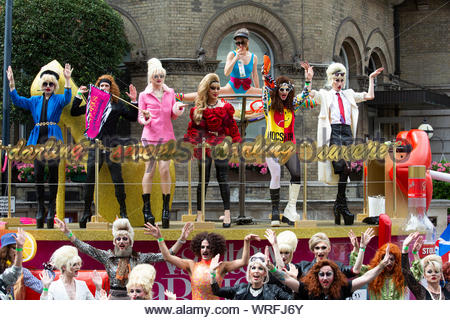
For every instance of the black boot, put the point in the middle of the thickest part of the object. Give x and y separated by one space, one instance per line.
123 208
337 215
41 208
147 209
86 215
51 213
275 198
349 217
165 211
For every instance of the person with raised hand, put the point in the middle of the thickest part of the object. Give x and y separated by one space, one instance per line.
67 287
257 286
205 246
432 270
10 275
46 110
325 281
122 259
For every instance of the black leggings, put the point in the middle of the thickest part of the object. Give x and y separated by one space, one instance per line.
39 167
222 178
115 170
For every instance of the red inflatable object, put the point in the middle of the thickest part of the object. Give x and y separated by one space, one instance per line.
420 155
384 229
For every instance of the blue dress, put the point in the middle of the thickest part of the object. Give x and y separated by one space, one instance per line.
55 106
236 74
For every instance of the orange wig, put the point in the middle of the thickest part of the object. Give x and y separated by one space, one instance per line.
397 275
311 280
114 90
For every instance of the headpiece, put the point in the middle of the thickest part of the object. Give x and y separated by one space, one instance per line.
258 258
123 227
243 32
104 80
8 239
50 72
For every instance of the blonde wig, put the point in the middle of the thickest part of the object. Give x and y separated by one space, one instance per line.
257 258
202 95
122 227
46 77
142 275
317 238
287 241
154 67
332 69
434 260
66 256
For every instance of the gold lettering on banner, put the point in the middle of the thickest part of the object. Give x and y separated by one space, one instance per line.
180 151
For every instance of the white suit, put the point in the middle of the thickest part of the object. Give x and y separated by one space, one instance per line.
325 99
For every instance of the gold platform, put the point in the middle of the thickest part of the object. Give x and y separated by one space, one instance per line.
236 232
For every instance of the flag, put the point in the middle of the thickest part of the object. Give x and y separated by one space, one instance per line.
97 111
443 243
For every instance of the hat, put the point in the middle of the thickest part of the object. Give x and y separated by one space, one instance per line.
8 239
241 33
50 72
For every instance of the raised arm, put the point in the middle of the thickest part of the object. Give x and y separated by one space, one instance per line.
228 266
255 76
309 74
272 238
412 283
365 239
231 60
184 264
284 278
67 74
371 274
370 95
76 110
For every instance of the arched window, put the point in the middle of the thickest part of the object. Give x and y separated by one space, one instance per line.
257 46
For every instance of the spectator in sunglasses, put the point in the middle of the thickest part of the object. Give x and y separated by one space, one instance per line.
325 281
46 111
337 124
122 259
280 105
10 275
256 288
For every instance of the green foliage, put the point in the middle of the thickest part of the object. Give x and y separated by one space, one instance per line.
88 34
441 189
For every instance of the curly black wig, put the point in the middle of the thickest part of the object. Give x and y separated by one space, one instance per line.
216 242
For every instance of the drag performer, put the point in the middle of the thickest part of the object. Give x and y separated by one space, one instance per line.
109 136
320 246
8 254
325 281
390 284
140 283
67 260
119 262
46 111
280 105
240 66
432 271
337 124
257 287
212 119
205 246
9 276
157 109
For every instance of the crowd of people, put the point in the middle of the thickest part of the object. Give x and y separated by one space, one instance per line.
388 276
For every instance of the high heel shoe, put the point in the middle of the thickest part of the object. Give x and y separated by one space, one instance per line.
226 225
165 212
147 210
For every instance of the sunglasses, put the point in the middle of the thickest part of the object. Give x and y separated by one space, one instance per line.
138 291
158 76
328 274
285 89
339 80
122 238
322 247
48 84
337 74
239 43
285 252
214 88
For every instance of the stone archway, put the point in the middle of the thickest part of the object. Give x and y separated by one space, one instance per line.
255 17
349 36
377 43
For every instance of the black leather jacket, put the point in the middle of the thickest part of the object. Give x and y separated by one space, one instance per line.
305 266
241 291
